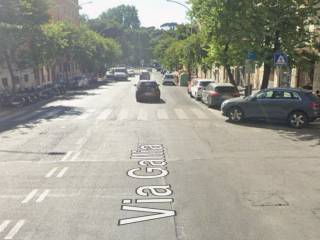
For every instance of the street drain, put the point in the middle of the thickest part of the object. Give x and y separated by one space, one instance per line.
265 199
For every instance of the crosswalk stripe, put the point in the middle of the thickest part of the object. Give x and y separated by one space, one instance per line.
43 196
49 174
199 113
123 115
4 225
105 114
162 114
75 157
30 196
62 172
180 114
142 115
66 157
15 230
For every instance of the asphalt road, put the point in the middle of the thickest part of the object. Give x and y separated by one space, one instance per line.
65 172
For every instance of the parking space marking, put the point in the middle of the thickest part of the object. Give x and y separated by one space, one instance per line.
50 173
4 225
162 114
30 196
62 172
15 230
142 115
104 115
67 156
200 114
43 196
180 114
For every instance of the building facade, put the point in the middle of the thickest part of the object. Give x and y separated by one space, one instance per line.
59 10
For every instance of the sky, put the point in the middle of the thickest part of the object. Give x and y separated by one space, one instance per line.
151 12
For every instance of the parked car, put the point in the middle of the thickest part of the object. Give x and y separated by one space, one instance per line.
147 89
109 75
216 93
297 107
131 73
120 74
197 86
144 75
168 79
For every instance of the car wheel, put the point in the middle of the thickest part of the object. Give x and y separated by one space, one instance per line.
235 114
138 99
298 120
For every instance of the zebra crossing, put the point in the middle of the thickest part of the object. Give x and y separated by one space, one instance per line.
126 114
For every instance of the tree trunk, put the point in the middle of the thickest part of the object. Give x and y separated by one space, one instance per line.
9 65
266 76
230 76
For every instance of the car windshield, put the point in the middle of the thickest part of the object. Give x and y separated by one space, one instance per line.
120 70
168 76
204 84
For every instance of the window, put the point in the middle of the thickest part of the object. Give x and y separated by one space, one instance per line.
5 82
26 78
265 95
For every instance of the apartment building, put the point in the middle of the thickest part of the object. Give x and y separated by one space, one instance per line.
59 10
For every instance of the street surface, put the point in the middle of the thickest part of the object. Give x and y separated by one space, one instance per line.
65 166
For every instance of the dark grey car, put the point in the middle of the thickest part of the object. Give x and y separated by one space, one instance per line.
216 93
295 106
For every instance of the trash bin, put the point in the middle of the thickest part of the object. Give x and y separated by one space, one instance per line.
183 80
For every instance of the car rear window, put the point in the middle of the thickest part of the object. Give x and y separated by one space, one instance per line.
148 84
169 76
204 84
226 89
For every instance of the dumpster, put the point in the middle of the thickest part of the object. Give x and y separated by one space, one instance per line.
183 79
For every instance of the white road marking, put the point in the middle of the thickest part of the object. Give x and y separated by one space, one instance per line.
30 196
199 113
15 230
142 115
81 141
180 114
67 156
162 114
49 174
75 157
123 115
43 196
62 172
104 115
4 225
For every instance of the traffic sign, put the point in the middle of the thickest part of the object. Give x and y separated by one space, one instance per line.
280 59
251 56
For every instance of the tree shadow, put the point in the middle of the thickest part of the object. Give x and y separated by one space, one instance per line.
309 133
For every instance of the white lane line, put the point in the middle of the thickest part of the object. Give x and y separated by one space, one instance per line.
162 114
30 196
142 115
180 114
49 174
67 156
15 230
123 115
104 115
199 113
62 172
4 225
75 157
43 196
81 141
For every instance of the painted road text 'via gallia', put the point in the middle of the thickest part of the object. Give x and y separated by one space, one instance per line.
152 162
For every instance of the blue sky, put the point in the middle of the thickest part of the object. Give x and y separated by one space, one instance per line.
151 12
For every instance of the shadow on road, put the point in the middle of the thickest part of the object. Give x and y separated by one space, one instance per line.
310 133
152 102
